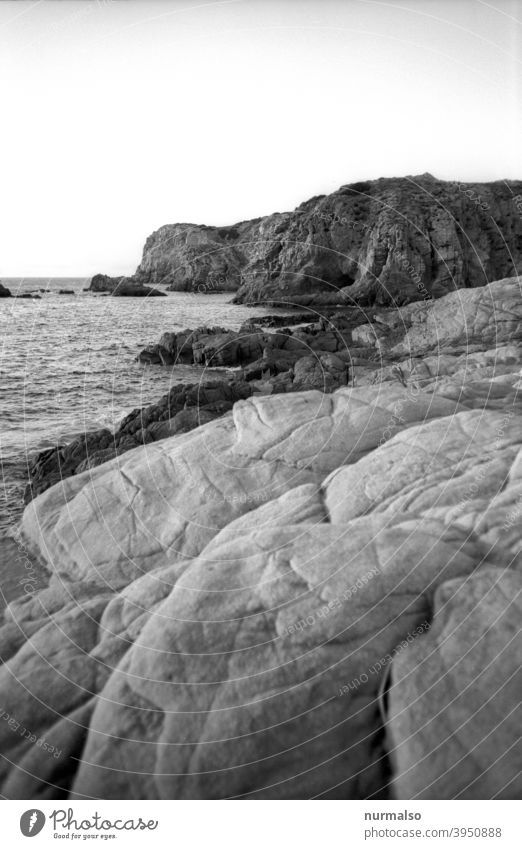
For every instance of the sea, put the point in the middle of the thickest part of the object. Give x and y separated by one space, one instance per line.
68 365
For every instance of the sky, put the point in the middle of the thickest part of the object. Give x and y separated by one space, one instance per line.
119 116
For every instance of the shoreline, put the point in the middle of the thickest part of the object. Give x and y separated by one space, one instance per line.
227 381
256 359
15 560
350 347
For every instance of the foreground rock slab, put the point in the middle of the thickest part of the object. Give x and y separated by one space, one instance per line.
224 606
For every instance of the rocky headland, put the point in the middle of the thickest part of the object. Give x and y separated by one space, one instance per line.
312 595
388 241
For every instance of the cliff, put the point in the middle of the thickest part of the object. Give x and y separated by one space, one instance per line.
379 242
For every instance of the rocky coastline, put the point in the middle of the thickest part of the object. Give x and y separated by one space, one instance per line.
299 596
326 583
260 359
314 356
353 347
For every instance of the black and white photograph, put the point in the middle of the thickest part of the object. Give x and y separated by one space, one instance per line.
261 421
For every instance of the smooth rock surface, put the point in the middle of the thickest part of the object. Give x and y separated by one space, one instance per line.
224 604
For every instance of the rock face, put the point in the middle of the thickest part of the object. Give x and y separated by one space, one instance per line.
123 287
4 292
315 595
387 241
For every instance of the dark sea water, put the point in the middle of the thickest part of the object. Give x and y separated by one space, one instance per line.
67 365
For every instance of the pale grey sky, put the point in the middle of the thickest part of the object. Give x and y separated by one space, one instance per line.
118 117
